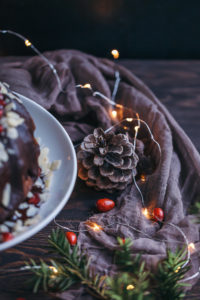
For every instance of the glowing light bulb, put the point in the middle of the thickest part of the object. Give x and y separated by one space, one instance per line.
115 53
136 128
129 119
119 105
130 287
191 247
177 270
87 86
145 212
53 269
143 178
125 127
27 43
94 226
114 113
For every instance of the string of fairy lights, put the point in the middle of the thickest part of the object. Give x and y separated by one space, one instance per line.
90 225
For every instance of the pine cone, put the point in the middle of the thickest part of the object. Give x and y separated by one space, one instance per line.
106 160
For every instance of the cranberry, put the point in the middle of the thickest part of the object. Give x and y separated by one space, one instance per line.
71 237
158 214
105 204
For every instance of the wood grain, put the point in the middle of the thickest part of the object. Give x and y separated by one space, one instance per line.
176 84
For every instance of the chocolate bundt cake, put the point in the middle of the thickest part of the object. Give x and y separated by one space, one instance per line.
19 152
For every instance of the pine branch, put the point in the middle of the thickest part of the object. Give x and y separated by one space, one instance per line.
45 276
71 265
169 274
126 286
134 282
195 210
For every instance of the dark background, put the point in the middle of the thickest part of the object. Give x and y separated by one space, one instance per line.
167 29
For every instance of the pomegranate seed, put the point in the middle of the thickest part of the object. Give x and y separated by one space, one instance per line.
2 102
7 236
34 200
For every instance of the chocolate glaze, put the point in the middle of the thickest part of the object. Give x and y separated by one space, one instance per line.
21 170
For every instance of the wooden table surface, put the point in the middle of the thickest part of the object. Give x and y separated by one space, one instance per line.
177 85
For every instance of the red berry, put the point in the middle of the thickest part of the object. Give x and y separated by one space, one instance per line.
105 204
1 113
158 214
39 172
123 240
34 200
71 237
1 129
7 236
2 102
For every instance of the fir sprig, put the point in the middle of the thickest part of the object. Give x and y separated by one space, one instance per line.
169 274
195 210
71 266
133 282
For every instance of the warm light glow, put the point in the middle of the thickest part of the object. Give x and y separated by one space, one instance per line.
191 247
114 113
53 269
136 128
119 105
130 287
143 178
87 86
115 53
129 119
94 226
145 212
177 270
27 43
125 127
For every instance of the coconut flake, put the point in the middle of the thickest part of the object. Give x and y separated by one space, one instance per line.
13 119
4 228
12 133
55 165
23 205
10 106
32 221
31 211
3 153
6 195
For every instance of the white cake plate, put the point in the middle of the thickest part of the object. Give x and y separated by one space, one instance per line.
53 136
